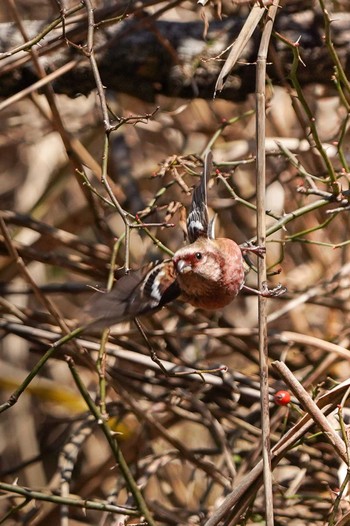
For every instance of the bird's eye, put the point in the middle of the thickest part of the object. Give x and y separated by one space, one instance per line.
198 255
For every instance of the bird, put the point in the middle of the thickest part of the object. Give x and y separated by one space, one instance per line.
208 273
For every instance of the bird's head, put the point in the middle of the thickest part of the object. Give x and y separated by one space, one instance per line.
201 258
209 272
189 262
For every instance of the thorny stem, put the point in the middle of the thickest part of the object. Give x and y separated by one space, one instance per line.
242 492
104 108
313 410
153 353
42 298
262 270
131 225
113 443
240 200
328 38
102 352
33 373
298 235
85 504
342 136
101 370
346 480
294 161
91 55
311 119
296 213
338 501
223 126
47 29
123 214
317 243
183 449
169 372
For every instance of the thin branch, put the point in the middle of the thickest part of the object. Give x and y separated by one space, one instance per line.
37 368
250 483
311 407
262 271
71 500
113 444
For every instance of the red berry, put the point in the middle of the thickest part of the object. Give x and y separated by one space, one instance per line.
282 398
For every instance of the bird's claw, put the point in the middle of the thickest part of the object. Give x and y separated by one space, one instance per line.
258 250
272 293
265 292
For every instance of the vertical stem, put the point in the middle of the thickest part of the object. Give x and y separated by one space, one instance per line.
114 445
261 238
102 354
123 214
101 370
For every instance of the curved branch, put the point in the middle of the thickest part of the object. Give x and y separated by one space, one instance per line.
144 57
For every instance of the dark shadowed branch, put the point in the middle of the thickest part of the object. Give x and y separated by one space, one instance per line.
145 57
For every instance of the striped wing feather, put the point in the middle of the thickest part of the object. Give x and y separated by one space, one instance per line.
139 292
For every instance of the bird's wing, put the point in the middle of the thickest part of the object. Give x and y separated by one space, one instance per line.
138 292
198 221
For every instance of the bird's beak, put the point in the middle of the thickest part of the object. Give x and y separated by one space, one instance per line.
183 267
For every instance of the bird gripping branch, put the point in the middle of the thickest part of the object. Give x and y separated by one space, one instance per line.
208 273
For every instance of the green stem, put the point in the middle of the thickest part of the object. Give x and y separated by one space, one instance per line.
112 441
311 119
30 43
223 126
296 213
33 373
328 37
310 230
68 501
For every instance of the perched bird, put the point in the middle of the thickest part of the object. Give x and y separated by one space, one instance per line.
208 273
